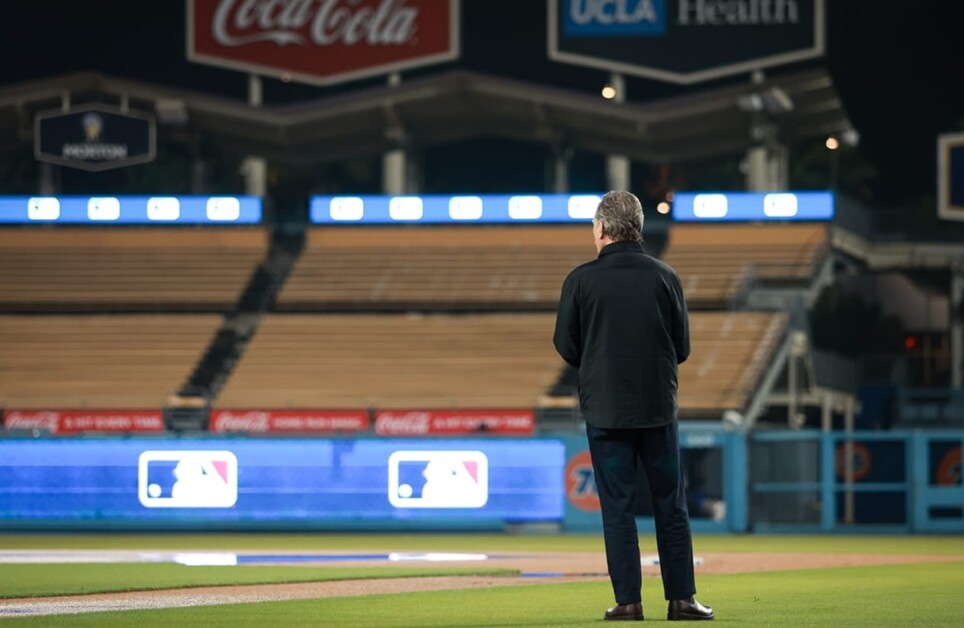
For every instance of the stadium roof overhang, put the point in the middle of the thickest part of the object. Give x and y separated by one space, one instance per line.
459 105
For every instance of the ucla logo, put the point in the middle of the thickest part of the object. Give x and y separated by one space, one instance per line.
603 18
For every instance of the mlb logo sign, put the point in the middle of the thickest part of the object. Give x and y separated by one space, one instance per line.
438 479
187 479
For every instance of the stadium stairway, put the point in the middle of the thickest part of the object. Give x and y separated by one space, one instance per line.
188 410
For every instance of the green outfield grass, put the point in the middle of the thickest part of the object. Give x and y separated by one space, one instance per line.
883 544
908 595
61 579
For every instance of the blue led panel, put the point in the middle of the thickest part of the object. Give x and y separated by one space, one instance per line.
752 206
454 209
131 210
384 483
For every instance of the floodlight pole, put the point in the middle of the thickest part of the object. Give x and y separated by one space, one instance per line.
617 166
49 180
255 169
560 171
396 174
767 160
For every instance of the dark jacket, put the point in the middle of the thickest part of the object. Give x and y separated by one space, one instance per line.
622 322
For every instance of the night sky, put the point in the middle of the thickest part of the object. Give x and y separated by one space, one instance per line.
897 64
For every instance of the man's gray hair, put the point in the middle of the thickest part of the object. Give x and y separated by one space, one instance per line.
621 215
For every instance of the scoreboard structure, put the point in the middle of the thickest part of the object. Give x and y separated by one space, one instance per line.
950 176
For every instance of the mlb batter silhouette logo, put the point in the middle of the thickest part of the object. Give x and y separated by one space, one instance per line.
438 479
187 479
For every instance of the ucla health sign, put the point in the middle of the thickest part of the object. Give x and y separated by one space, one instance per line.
308 483
684 41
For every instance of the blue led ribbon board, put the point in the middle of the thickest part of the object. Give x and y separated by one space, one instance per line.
752 206
454 209
305 483
130 210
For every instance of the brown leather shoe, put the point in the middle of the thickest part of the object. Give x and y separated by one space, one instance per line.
625 612
688 609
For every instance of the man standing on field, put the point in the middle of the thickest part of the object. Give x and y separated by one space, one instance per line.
622 323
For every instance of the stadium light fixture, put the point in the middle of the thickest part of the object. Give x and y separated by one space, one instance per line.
171 111
773 101
850 137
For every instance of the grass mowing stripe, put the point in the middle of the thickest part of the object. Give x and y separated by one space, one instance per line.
953 545
77 579
838 544
434 542
906 595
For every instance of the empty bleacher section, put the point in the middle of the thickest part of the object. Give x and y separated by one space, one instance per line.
335 338
395 361
120 269
731 352
98 361
435 268
716 263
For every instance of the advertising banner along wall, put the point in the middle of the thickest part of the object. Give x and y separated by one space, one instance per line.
454 422
289 421
206 483
69 422
322 42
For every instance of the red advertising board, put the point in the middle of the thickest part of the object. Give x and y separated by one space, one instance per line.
322 41
454 422
66 422
288 421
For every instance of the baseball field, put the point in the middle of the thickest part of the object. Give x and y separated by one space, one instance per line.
463 580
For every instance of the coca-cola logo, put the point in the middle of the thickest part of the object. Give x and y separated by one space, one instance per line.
421 422
403 423
288 420
240 22
322 41
245 422
48 421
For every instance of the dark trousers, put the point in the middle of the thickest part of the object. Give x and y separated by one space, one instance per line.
616 454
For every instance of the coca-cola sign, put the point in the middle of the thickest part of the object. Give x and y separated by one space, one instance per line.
454 422
291 421
65 422
322 41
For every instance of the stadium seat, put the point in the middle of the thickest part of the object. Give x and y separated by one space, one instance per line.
119 269
440 268
98 361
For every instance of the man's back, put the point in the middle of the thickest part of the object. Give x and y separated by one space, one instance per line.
622 321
